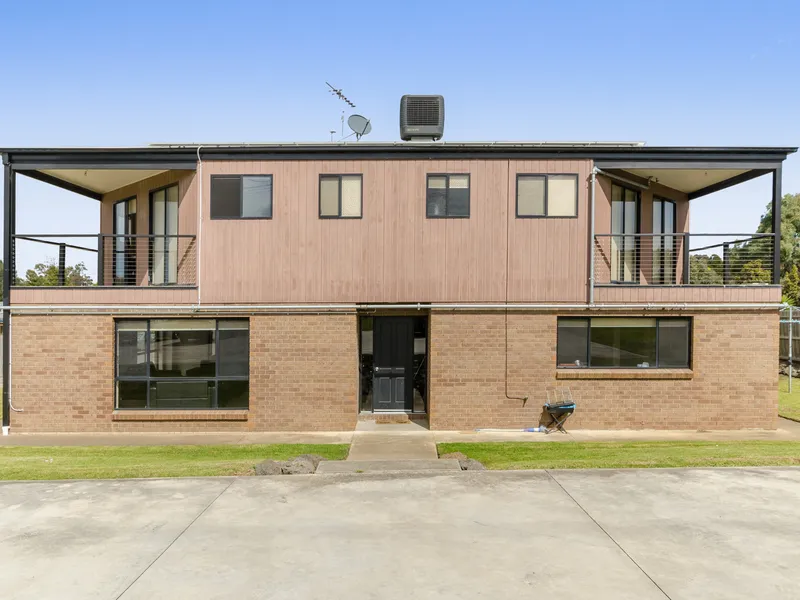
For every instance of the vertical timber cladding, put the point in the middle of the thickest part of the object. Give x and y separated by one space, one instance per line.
732 383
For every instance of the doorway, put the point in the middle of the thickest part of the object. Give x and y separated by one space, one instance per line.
394 366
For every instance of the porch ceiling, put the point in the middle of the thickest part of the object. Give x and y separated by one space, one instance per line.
100 181
687 180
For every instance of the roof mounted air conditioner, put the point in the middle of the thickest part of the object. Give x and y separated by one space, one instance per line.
421 117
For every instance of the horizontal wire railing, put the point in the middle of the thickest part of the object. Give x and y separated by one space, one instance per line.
133 260
670 259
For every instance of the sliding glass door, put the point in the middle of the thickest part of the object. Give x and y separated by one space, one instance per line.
664 242
624 241
124 243
164 229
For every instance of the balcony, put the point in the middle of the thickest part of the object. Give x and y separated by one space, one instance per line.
689 267
92 268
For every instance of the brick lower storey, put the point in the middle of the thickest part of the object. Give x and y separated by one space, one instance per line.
304 376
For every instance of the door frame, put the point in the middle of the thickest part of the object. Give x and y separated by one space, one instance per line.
427 366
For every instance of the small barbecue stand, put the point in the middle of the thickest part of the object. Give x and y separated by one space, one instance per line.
559 407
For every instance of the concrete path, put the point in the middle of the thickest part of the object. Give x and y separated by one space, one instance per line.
638 535
787 431
392 442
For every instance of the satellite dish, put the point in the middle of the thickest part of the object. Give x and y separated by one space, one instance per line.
360 125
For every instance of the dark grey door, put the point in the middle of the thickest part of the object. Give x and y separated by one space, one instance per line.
393 381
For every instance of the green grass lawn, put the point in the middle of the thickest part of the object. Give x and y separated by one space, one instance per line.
789 404
618 455
99 462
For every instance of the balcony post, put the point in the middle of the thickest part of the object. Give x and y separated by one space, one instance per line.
100 259
9 225
776 226
726 264
62 263
685 279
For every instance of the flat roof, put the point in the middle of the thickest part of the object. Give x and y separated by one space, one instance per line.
116 166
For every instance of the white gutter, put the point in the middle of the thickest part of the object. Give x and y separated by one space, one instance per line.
244 308
591 235
199 220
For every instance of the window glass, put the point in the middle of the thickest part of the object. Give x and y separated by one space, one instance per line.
329 196
366 367
351 195
447 196
131 353
233 394
182 353
131 394
257 196
673 343
573 338
622 342
181 394
436 199
530 195
233 351
225 197
562 196
458 196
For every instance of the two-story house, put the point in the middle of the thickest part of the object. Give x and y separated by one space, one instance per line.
305 286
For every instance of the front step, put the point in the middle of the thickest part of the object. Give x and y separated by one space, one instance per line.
387 466
392 418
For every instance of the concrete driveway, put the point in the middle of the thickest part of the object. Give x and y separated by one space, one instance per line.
638 534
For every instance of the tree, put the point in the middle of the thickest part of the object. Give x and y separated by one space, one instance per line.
46 274
791 286
705 270
790 229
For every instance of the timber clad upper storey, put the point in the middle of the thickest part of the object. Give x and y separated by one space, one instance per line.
394 223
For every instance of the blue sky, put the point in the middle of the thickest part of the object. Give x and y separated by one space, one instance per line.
131 73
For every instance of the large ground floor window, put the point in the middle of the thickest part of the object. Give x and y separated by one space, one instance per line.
632 342
182 364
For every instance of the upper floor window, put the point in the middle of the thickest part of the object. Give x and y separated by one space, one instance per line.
447 196
632 342
547 195
340 196
241 196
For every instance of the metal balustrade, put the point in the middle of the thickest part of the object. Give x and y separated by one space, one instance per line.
663 259
120 260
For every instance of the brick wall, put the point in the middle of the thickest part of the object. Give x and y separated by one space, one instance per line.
62 373
733 383
303 372
303 376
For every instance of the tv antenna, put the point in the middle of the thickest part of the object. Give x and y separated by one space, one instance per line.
339 94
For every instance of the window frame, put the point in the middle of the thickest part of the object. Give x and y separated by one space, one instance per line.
241 177
637 234
661 279
339 213
165 236
147 379
546 177
127 240
447 195
588 321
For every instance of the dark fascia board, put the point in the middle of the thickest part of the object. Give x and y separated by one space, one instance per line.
185 157
72 187
721 185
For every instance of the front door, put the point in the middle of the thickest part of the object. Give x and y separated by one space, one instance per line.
393 379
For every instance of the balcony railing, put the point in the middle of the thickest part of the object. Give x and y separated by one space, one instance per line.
120 260
669 259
